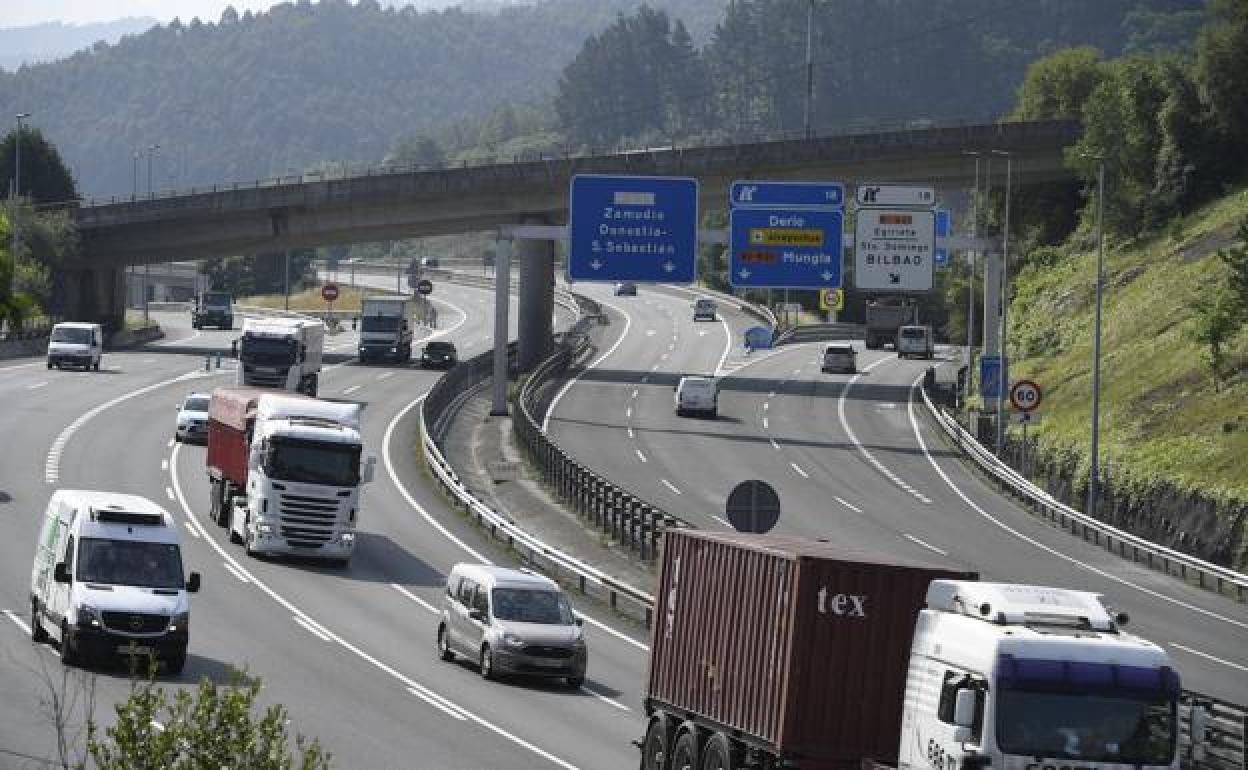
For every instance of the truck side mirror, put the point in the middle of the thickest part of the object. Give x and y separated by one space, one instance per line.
192 583
255 459
61 573
370 466
964 707
477 615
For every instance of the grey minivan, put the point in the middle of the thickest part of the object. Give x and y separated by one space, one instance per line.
511 621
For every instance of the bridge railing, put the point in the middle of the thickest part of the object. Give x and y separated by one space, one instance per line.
890 129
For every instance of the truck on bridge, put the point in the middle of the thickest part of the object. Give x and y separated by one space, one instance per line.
282 353
776 652
285 473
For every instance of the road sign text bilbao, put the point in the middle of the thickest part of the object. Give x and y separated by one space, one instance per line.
627 228
893 249
786 248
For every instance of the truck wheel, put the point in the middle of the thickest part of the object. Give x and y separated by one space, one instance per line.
70 654
312 386
37 634
718 754
685 753
444 645
656 745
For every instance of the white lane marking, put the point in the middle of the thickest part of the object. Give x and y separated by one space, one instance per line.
797 371
799 470
149 360
37 385
350 390
721 520
52 465
190 529
640 456
18 621
663 357
766 406
439 703
701 332
774 445
236 572
928 546
1207 656
672 346
634 393
719 367
414 598
849 505
605 699
550 410
169 494
650 332
670 485
171 443
4 369
1041 546
630 431
312 628
628 413
385 375
853 437
765 421
359 653
164 464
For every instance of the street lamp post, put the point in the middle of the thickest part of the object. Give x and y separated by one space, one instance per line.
970 288
1005 302
1093 478
810 66
147 268
17 191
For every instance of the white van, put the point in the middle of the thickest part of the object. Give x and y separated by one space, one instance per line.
704 308
108 575
915 341
76 344
511 621
698 395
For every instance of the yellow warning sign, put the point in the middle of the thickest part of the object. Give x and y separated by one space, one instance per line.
784 236
832 299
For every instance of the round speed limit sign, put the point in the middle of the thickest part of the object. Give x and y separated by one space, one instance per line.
1025 395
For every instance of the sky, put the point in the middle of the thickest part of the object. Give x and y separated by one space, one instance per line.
20 13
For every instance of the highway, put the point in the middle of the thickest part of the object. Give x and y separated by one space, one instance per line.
853 460
349 651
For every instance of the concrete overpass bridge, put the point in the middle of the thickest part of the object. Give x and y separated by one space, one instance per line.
413 203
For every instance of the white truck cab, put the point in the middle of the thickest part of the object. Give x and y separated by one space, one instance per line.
107 575
1023 677
283 353
76 344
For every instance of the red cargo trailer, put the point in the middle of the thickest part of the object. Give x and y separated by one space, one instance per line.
772 649
231 414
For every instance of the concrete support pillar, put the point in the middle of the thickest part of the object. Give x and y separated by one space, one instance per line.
502 301
96 295
537 300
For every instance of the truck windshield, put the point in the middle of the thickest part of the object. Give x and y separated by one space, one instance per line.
216 300
1111 727
265 350
526 605
314 463
129 563
79 336
379 323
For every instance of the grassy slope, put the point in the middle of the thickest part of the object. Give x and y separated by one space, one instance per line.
310 301
1161 419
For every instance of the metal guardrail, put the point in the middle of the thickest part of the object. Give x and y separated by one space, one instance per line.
1208 575
820 332
1213 734
29 330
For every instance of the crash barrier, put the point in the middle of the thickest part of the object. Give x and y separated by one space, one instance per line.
820 332
1212 733
1206 574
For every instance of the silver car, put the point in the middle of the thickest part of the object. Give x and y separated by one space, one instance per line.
511 621
192 422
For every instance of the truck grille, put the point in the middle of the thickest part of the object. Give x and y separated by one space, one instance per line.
308 522
135 622
264 379
547 651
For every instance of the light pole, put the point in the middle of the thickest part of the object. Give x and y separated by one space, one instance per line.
1005 301
810 66
970 260
286 280
17 191
1093 479
147 268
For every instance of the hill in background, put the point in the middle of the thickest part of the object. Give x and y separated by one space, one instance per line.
54 40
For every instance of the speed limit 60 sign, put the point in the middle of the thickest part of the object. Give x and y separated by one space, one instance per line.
1025 395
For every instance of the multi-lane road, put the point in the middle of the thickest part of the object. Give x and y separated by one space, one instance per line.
350 652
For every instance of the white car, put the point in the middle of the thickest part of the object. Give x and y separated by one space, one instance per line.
193 418
697 395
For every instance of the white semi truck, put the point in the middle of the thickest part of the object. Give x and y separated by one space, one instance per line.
283 353
385 329
285 472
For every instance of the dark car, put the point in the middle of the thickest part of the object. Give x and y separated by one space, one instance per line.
439 354
626 289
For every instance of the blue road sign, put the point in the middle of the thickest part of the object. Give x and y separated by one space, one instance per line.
633 228
944 223
786 195
991 377
786 248
758 338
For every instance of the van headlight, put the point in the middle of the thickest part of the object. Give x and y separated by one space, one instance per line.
511 640
180 622
88 616
347 538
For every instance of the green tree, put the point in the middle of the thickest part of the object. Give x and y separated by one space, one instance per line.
45 179
1059 85
215 726
1221 61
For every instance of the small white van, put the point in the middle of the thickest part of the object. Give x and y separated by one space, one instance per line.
704 308
76 344
915 341
697 395
107 579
